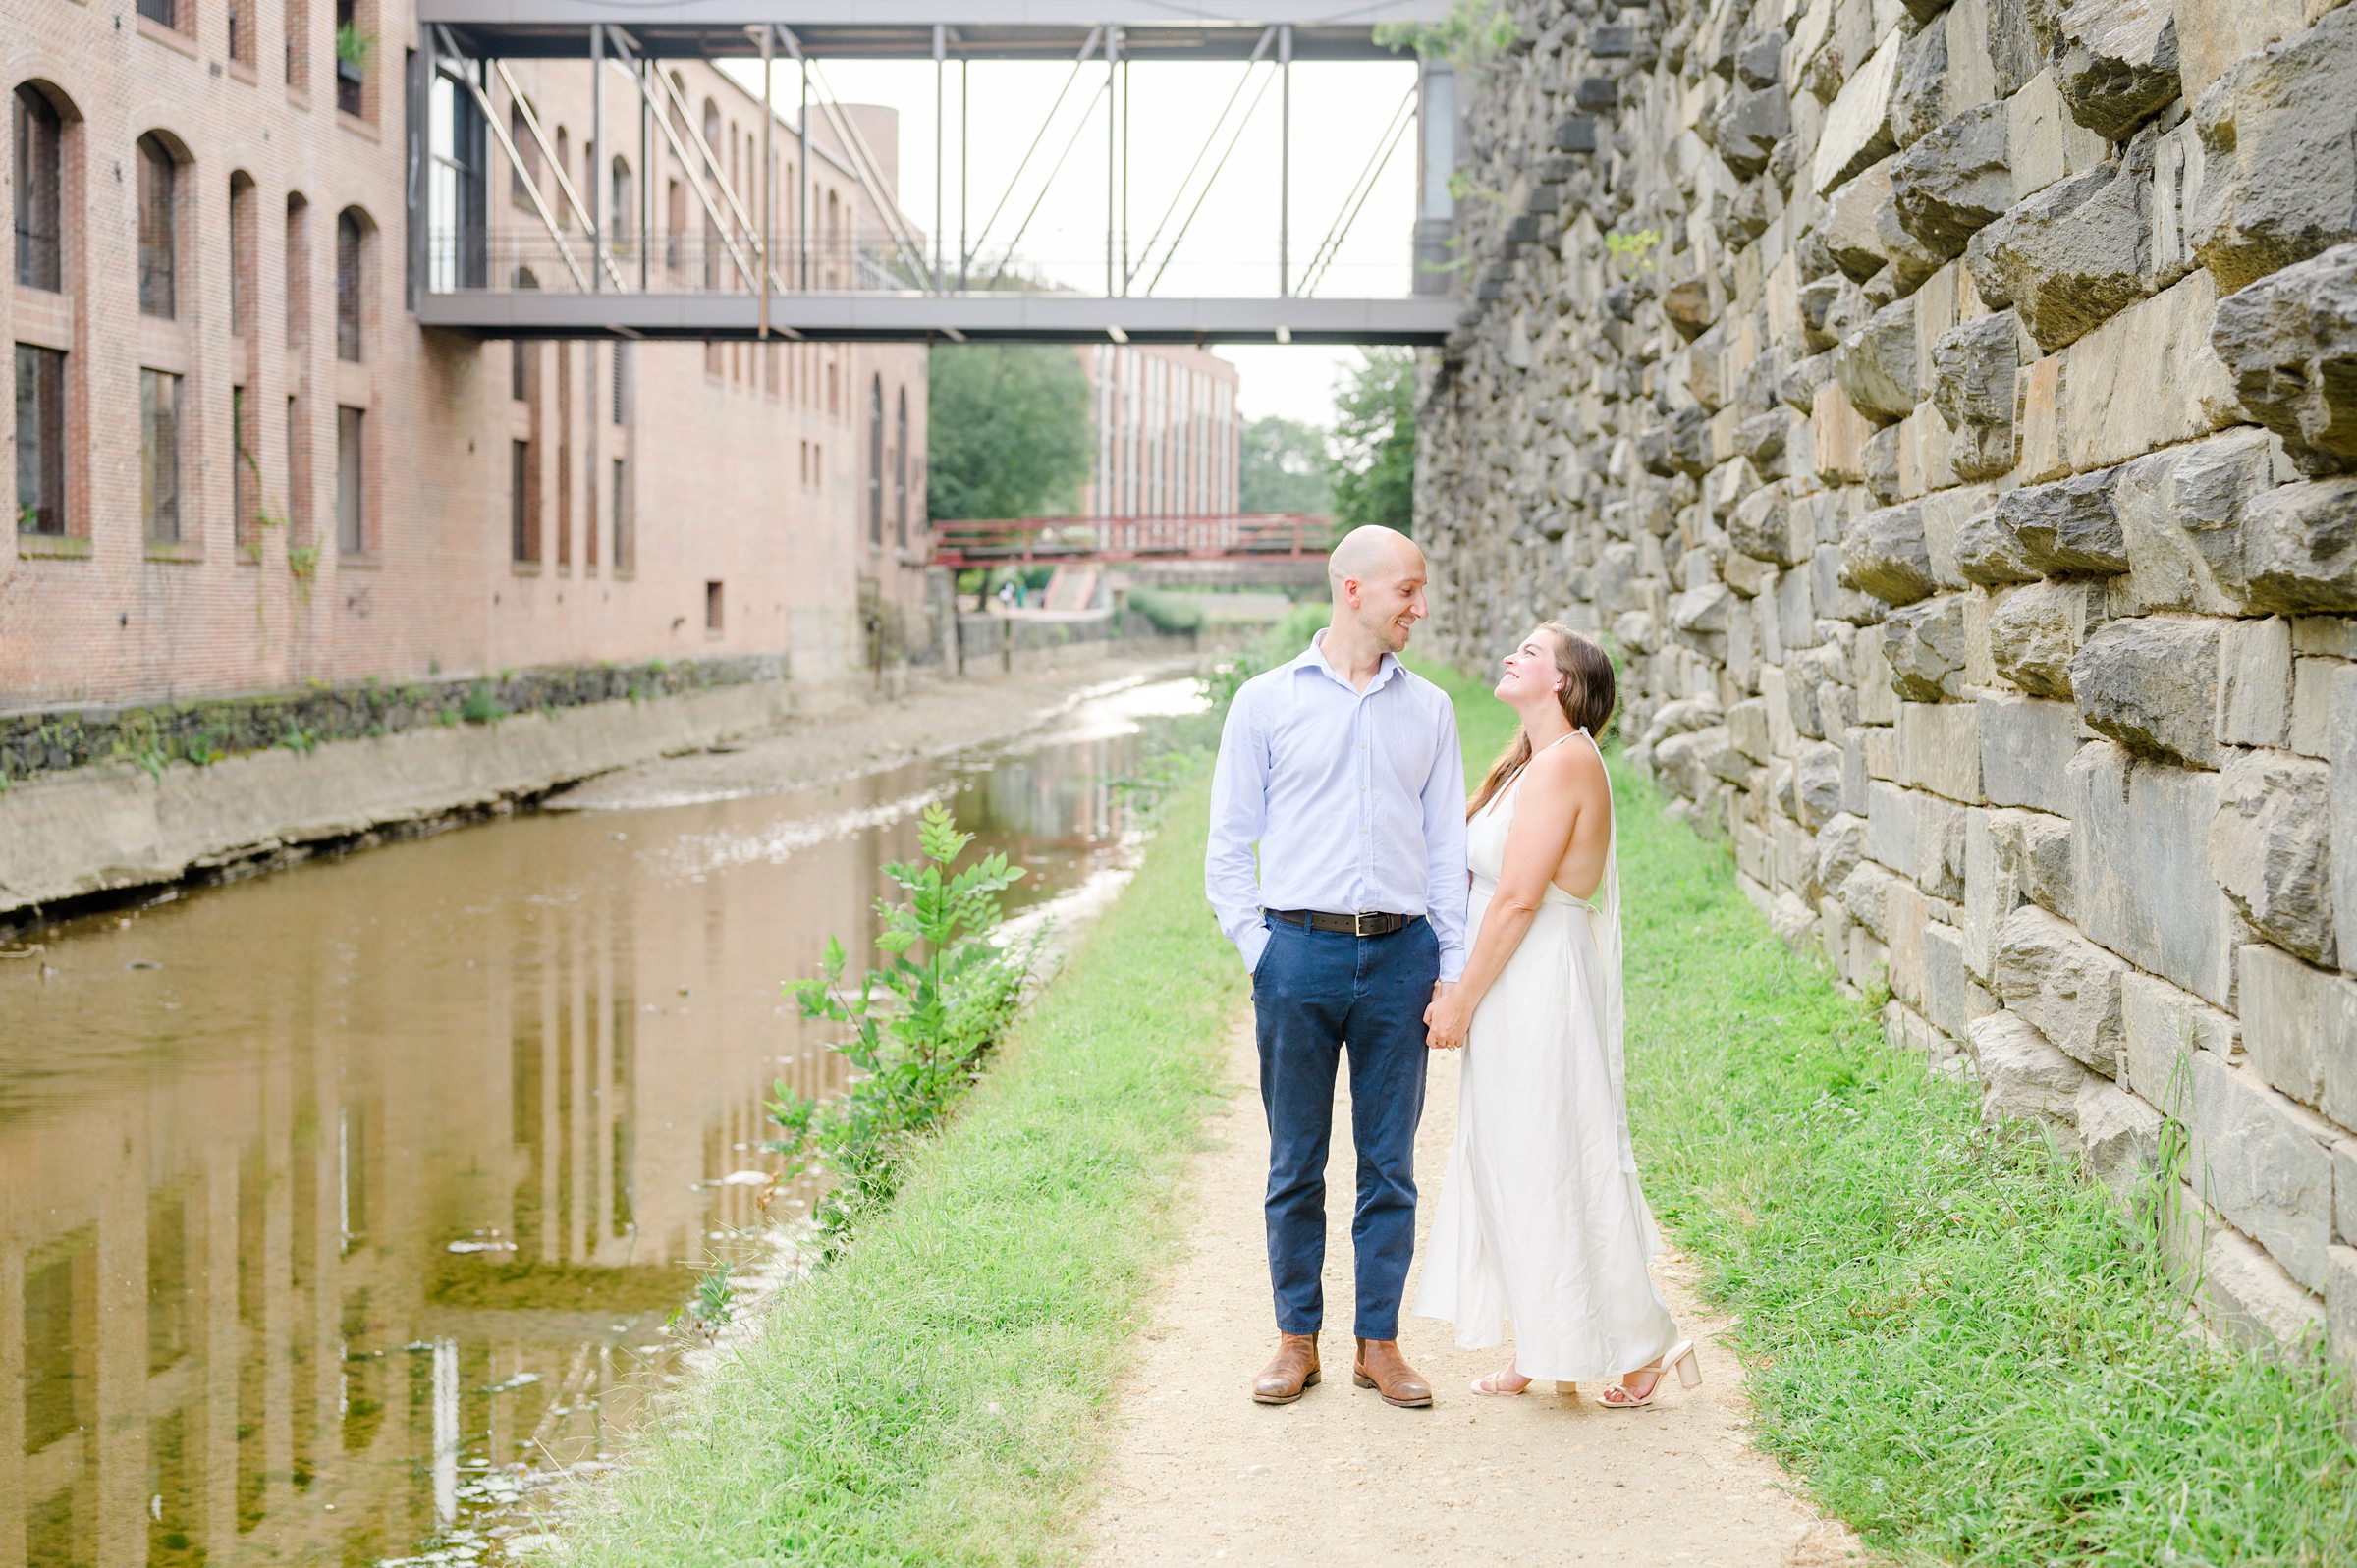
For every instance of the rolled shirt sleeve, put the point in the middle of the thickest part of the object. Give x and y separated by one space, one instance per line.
1240 806
1447 885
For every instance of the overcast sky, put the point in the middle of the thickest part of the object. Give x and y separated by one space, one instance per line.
1231 246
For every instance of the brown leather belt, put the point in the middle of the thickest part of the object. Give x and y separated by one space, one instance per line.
1366 923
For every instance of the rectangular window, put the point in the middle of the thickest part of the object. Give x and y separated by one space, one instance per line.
524 502
299 26
246 475
352 496
519 381
159 455
165 12
622 543
621 383
352 41
40 170
40 440
712 607
349 241
299 476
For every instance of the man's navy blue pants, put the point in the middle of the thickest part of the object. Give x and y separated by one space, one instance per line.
1317 993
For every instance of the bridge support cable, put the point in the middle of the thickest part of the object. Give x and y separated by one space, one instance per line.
1145 253
865 166
1049 184
1387 143
1284 158
1087 48
507 146
572 197
1204 195
707 160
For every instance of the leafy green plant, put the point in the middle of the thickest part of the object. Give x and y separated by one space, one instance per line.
1632 249
299 740
354 45
918 1026
1471 33
480 706
302 561
29 517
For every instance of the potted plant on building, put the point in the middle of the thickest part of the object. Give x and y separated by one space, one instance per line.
354 45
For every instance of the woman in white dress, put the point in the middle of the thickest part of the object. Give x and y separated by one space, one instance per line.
1542 1223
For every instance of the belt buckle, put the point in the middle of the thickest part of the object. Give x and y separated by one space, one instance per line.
1358 922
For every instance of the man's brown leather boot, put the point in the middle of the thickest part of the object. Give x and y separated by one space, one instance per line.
1381 1367
1292 1370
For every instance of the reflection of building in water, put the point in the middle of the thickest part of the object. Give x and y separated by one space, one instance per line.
229 1189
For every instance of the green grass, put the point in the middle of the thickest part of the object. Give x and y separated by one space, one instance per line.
1967 1351
933 1398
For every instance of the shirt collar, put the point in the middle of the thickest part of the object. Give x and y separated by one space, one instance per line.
1313 657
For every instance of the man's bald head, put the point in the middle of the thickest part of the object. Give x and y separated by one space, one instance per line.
1377 574
1369 555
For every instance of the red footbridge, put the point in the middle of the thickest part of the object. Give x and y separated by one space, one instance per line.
1286 543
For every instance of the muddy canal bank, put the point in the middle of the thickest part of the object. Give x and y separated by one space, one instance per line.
337 1206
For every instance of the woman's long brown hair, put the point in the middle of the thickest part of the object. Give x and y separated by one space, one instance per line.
1586 698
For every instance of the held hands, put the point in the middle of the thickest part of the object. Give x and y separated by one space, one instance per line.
1446 1018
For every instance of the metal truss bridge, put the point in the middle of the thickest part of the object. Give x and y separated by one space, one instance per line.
593 272
1266 539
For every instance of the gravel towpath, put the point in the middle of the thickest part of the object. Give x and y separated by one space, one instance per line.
1202 1475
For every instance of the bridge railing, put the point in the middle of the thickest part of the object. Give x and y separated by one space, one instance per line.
1057 541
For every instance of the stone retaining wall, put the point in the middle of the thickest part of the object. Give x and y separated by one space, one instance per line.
1949 410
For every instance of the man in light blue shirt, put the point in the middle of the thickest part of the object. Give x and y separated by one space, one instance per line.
1345 768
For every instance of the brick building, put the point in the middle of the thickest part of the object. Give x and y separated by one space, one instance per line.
241 464
1168 436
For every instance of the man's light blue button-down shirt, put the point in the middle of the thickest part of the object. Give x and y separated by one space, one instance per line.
1356 800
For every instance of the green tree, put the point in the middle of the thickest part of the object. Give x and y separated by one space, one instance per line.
1008 430
1373 453
1284 467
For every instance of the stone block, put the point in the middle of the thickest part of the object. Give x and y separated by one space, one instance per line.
1838 435
2178 169
1887 556
2288 342
2151 684
2182 515
2213 39
2069 526
2299 1025
2260 1161
1953 180
1938 864
2039 421
1924 646
2254 694
2280 182
1746 126
1975 366
1841 846
2146 378
2269 845
1817 781
2140 868
2324 637
1988 553
1907 913
1848 229
2033 631
2299 547
2249 1296
1747 728
1876 364
1891 825
2163 1027
2026 749
2119 1138
2115 61
2023 1077
1939 748
2045 143
1857 129
1946 988
1762 526
1866 892
1920 103
2063 984
2071 257
2344 1190
2033 854
2341 1306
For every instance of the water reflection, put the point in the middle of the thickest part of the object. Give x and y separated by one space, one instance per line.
331 1201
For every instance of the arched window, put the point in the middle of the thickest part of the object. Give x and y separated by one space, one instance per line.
41 191
899 470
622 208
523 176
563 165
159 238
875 461
352 241
712 128
299 270
242 238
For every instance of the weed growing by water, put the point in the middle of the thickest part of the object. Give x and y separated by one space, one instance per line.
919 1025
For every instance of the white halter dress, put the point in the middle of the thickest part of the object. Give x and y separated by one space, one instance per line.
1542 1228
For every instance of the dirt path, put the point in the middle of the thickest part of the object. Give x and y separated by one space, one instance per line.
860 735
1202 1475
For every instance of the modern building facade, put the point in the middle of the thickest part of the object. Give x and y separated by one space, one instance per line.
239 463
1168 436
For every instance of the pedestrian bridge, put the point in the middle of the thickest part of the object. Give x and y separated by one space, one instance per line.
579 268
1266 538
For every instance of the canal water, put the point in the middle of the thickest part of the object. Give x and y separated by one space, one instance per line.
339 1206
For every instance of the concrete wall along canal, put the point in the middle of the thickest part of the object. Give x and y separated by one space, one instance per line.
1944 408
